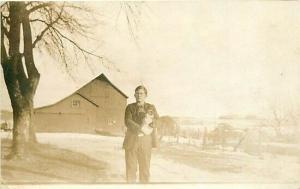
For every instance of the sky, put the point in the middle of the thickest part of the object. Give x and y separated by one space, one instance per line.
197 58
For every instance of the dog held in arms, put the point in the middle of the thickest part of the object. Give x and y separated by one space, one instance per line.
147 125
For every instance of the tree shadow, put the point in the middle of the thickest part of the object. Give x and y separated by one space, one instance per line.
49 164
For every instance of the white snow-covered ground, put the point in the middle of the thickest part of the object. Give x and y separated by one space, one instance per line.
109 149
180 163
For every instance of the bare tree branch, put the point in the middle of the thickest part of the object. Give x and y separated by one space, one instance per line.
38 20
38 7
39 37
3 28
75 44
131 17
3 49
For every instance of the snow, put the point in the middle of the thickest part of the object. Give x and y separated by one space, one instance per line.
266 168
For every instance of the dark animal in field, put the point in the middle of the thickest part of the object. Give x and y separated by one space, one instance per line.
224 134
166 126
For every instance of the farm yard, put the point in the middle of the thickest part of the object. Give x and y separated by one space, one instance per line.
216 81
189 152
89 158
251 136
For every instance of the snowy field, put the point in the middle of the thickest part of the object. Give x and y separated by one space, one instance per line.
181 163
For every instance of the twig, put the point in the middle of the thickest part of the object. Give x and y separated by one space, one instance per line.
38 7
39 37
75 44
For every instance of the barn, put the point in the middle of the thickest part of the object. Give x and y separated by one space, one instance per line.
98 106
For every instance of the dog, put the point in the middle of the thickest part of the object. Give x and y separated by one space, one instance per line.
147 126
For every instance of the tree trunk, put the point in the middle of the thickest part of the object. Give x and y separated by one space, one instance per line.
22 118
22 104
21 87
23 130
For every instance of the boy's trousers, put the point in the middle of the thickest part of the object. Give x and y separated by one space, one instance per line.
139 156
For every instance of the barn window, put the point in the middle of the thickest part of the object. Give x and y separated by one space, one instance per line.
112 122
75 103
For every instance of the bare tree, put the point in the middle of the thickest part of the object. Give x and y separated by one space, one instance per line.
51 26
294 118
277 119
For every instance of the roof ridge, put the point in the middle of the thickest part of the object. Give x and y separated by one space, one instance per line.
76 92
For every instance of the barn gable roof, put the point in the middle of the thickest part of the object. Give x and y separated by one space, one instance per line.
76 93
100 77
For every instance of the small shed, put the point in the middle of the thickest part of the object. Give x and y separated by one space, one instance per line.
98 106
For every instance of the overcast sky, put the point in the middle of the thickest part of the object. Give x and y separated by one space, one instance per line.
200 59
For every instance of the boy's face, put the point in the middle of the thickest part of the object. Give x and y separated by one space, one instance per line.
140 95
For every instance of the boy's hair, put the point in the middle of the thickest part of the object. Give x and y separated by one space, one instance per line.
141 87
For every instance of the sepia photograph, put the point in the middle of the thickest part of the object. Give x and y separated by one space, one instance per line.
167 94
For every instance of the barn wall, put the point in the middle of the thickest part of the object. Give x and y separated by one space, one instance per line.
62 117
110 115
